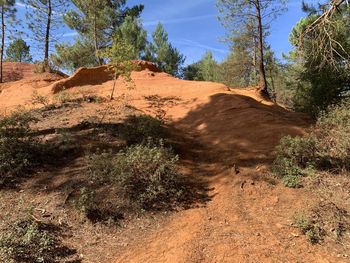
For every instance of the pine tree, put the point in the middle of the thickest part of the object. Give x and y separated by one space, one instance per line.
206 69
119 57
18 51
209 67
96 21
8 12
238 14
161 52
73 56
132 32
43 18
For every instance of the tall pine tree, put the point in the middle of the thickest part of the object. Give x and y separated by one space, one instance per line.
43 18
161 52
8 12
96 21
237 14
18 51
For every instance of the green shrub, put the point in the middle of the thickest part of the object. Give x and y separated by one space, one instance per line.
146 174
65 143
294 157
312 230
85 202
292 181
326 147
64 97
18 147
299 150
333 130
39 99
102 167
139 129
27 241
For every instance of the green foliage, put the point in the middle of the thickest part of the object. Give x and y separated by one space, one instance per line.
27 241
332 130
139 129
18 51
19 150
192 72
146 174
133 34
119 58
312 230
63 97
161 52
206 69
85 202
39 99
295 158
102 168
96 21
43 20
327 146
322 57
300 150
71 57
237 69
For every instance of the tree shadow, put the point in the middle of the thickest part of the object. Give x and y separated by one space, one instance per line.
237 129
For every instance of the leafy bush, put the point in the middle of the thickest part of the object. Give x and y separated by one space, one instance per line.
18 147
333 130
27 241
85 202
294 156
312 230
327 146
102 167
39 99
146 174
63 97
139 129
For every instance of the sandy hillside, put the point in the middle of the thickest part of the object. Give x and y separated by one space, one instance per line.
14 71
233 134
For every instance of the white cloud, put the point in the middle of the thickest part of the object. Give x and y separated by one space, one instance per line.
178 20
191 43
70 34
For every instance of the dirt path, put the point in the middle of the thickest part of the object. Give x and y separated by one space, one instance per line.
248 218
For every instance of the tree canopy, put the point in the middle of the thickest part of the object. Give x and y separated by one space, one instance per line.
161 52
18 51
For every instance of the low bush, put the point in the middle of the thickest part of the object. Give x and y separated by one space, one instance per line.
145 173
85 202
27 241
139 129
312 230
294 158
64 97
326 147
333 130
39 99
19 149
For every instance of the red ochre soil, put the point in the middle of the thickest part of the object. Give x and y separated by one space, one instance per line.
247 219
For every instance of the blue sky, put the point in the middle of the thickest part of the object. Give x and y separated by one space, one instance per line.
193 27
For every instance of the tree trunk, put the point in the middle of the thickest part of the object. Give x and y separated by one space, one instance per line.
99 60
262 83
47 36
2 42
114 85
273 95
